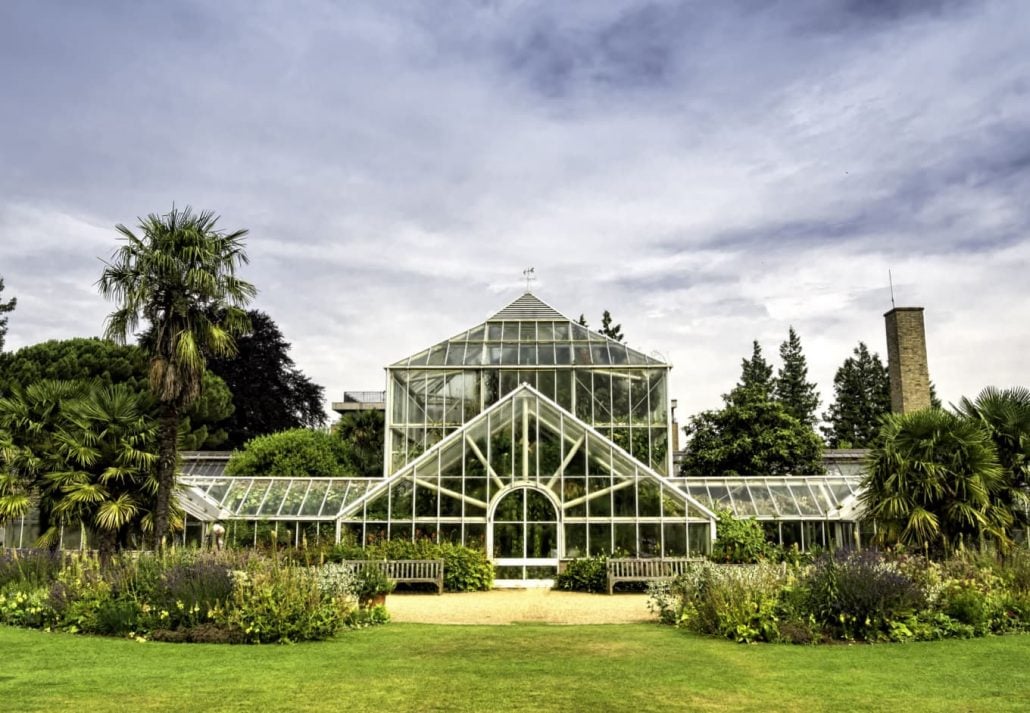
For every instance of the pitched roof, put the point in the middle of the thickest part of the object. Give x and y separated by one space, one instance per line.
529 307
528 332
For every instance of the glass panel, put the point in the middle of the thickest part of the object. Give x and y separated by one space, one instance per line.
807 503
450 506
601 505
781 495
333 503
600 539
699 539
474 354
401 500
675 544
436 355
510 509
253 501
426 500
455 353
575 540
313 501
648 498
539 508
511 331
545 331
625 500
541 540
508 540
527 331
650 535
626 539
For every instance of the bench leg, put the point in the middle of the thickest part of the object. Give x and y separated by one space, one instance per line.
611 586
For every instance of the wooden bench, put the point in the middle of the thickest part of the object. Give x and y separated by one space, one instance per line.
406 571
646 570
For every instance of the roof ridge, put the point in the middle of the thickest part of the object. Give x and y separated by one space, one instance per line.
529 307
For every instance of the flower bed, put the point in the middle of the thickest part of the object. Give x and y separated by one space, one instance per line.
180 596
851 596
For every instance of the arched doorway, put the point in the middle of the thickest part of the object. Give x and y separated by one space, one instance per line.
524 534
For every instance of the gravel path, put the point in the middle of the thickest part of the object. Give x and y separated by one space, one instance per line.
518 606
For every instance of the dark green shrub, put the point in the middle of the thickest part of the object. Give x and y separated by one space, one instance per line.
465 569
739 541
584 574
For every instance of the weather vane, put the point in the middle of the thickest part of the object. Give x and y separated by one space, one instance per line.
530 274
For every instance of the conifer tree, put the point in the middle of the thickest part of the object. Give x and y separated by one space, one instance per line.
5 307
792 389
862 397
756 379
610 331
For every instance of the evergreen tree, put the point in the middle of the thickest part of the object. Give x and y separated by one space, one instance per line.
610 331
750 436
269 393
792 390
756 379
175 275
5 307
862 396
582 321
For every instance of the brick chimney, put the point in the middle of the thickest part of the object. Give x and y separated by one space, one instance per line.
906 360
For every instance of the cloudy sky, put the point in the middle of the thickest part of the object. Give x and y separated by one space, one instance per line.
711 172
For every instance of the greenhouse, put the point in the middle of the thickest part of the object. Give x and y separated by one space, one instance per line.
534 438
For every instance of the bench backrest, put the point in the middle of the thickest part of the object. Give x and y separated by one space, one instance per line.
403 570
649 568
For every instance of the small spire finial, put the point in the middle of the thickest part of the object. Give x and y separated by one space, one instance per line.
530 275
890 279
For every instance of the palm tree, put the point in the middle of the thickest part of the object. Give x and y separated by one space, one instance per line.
29 420
180 276
106 444
934 482
1005 413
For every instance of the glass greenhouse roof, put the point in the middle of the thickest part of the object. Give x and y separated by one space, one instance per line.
278 498
528 332
205 463
778 498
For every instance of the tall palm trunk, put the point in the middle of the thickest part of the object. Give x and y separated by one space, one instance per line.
167 459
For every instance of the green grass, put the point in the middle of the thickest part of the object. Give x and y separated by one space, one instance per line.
409 667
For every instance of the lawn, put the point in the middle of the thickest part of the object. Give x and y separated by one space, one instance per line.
415 667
